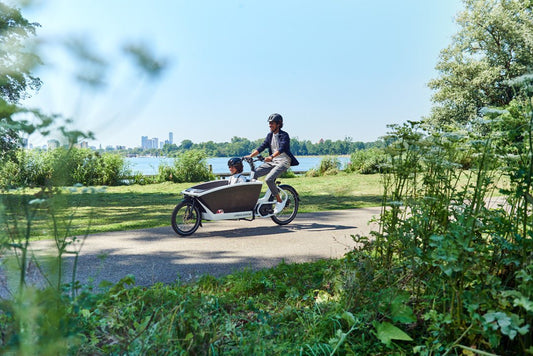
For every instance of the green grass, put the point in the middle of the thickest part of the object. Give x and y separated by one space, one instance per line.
146 206
341 191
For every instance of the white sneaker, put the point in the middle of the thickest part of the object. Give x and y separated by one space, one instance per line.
279 207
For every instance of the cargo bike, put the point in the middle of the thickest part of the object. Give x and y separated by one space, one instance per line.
218 200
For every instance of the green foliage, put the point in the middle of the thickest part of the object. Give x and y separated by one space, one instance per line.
290 309
16 79
458 259
62 167
239 146
9 142
38 320
492 45
189 166
141 179
113 170
328 166
192 167
368 161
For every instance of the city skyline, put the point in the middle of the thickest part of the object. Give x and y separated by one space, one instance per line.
148 143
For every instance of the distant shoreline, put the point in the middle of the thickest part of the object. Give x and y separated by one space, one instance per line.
149 165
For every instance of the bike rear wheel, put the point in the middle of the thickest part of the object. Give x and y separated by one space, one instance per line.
185 218
291 207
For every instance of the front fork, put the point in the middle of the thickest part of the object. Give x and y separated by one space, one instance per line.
194 204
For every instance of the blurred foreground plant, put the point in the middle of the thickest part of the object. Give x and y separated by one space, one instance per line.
36 315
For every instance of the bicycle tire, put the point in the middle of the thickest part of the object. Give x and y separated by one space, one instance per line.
291 207
185 218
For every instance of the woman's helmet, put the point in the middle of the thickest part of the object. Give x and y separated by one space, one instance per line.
237 163
276 118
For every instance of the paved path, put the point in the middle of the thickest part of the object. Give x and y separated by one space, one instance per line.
217 248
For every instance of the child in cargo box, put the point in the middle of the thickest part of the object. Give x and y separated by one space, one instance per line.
235 168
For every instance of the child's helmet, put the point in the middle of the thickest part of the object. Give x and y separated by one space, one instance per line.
237 163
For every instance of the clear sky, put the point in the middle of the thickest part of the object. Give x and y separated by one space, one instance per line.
333 69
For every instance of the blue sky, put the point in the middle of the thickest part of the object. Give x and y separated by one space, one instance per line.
333 69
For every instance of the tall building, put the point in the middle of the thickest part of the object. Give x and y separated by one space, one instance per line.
148 143
144 142
170 138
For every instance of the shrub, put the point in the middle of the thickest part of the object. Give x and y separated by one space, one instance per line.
329 166
191 166
87 167
27 168
450 258
63 167
141 179
166 174
112 169
10 175
368 161
312 173
64 163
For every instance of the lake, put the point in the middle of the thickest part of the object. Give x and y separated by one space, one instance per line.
150 165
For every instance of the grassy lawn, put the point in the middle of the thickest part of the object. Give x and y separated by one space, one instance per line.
343 191
138 207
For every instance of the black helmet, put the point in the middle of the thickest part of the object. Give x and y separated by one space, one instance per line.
276 118
236 162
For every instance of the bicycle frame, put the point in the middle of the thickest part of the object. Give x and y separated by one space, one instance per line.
262 208
218 200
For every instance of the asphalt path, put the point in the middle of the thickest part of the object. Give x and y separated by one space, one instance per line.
216 248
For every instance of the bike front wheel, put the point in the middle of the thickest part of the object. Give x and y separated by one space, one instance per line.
185 218
291 207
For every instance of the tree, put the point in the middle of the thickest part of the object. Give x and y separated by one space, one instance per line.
16 80
240 146
16 62
169 148
494 44
186 145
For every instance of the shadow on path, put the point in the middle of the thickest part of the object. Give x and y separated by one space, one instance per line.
217 248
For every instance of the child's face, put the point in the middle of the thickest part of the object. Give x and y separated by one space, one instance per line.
232 169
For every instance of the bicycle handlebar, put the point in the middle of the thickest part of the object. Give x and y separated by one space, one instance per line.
251 160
